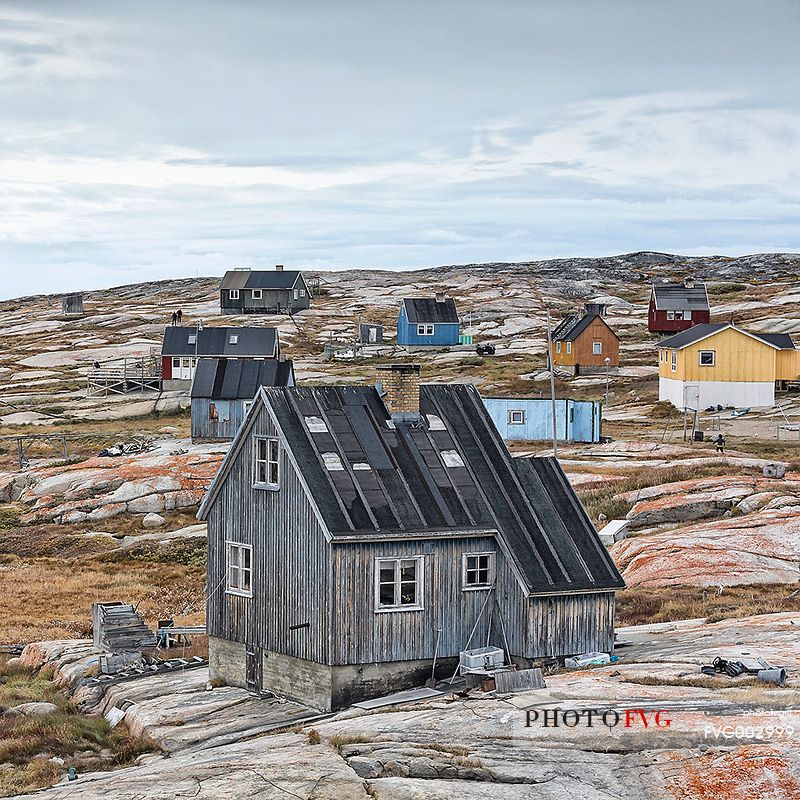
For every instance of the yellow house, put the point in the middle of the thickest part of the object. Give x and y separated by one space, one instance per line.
720 364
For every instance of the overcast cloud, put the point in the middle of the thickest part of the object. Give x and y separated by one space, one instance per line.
148 140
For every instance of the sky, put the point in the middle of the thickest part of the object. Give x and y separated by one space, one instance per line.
152 140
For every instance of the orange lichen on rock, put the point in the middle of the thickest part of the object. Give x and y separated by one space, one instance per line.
756 771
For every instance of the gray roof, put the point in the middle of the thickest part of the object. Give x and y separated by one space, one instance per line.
260 279
428 309
781 341
572 326
451 476
239 379
677 297
251 342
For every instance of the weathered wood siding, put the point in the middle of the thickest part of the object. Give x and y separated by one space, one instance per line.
290 561
568 624
362 635
230 414
271 301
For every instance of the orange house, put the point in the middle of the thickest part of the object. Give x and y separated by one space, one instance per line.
587 344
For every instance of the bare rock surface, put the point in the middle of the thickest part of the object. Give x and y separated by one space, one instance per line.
224 743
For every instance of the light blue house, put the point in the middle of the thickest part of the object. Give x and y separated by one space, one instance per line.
428 322
526 419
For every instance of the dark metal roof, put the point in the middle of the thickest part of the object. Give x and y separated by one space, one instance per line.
781 341
677 297
260 279
452 475
571 327
428 309
259 342
239 379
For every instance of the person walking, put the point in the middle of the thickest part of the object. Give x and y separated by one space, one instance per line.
720 444
180 316
174 317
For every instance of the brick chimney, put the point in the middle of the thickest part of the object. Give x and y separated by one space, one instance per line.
279 268
399 386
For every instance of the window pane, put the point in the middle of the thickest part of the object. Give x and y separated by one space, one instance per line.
386 594
408 570
408 594
246 556
387 573
233 577
233 555
245 580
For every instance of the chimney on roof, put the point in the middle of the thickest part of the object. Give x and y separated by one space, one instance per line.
440 298
398 384
595 308
279 268
688 282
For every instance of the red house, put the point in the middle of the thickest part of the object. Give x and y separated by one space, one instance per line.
674 307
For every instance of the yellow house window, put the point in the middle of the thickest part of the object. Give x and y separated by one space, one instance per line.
569 347
707 358
674 360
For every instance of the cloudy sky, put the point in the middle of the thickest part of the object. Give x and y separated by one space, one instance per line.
146 140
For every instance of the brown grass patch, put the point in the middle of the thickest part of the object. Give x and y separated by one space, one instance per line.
51 599
641 606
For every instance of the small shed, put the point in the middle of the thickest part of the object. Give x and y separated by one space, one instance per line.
428 322
223 390
585 344
72 304
370 333
528 419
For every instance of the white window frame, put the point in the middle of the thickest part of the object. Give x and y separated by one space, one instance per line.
679 316
302 292
516 416
670 315
242 585
558 347
233 338
674 361
419 581
687 314
233 294
597 348
176 362
258 294
426 329
713 354
296 294
271 457
569 348
192 338
246 404
491 568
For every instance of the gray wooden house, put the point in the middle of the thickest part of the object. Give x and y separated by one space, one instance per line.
251 291
223 390
347 525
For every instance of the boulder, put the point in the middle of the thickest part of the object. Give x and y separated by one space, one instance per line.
152 520
36 709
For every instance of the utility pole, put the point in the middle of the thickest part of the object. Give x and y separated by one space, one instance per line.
552 381
608 365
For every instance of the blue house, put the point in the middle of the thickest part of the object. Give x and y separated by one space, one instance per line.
223 390
527 419
428 322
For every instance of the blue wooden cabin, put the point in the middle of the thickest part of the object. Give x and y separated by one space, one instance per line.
428 322
527 419
223 390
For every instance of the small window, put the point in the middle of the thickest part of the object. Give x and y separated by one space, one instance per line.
240 569
233 339
257 294
597 348
674 360
192 338
398 584
516 416
452 458
176 363
670 315
679 315
315 424
332 462
707 358
558 347
213 415
478 571
233 294
425 330
246 405
569 347
687 314
266 462
296 294
302 292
